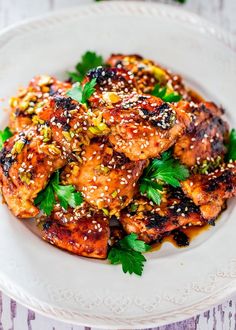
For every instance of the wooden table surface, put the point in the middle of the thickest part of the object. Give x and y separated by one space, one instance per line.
13 316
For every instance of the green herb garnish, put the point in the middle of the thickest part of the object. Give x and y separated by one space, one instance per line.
151 189
166 170
4 136
66 195
81 93
162 93
231 155
128 253
89 60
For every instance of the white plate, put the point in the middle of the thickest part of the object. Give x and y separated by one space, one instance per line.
176 284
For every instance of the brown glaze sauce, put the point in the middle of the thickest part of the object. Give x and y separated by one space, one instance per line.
191 233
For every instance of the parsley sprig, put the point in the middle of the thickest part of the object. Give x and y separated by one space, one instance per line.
81 93
89 60
128 253
66 195
163 94
231 155
4 136
166 170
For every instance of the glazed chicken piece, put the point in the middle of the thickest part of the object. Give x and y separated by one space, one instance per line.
147 73
111 85
81 231
30 157
67 123
143 126
205 140
151 222
211 191
107 179
27 104
26 163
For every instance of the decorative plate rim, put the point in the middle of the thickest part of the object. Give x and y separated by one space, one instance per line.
129 8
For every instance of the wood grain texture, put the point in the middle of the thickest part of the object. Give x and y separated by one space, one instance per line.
13 316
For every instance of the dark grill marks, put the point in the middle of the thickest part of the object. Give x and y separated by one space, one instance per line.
206 140
185 204
163 116
19 113
224 178
47 224
156 221
111 80
62 120
7 158
113 160
120 159
101 74
6 161
151 221
65 103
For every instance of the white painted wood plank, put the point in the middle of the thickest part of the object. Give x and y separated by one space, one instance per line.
6 320
59 4
229 15
13 11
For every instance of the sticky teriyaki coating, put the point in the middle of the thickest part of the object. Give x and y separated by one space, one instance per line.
102 147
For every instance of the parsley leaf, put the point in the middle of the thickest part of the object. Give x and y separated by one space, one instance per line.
4 136
89 60
81 93
131 261
231 155
66 195
88 90
166 170
131 242
152 189
181 1
75 77
128 253
46 200
162 93
76 92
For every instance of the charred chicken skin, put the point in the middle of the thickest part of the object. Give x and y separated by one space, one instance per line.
27 162
143 127
206 139
115 159
112 82
28 103
147 73
30 157
67 121
151 222
211 191
81 231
